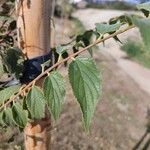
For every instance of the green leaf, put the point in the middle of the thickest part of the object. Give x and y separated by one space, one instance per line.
46 64
1 69
123 19
8 92
60 49
85 80
36 103
20 116
54 92
8 117
144 25
1 119
145 7
15 65
103 28
85 38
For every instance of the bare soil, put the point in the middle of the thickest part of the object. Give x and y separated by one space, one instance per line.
121 116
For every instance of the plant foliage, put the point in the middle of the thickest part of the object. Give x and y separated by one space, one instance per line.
8 117
20 116
144 24
54 91
8 36
36 103
145 8
103 28
6 93
85 81
83 75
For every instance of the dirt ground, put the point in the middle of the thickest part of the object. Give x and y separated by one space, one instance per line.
120 118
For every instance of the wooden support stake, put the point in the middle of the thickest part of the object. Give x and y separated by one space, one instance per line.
33 28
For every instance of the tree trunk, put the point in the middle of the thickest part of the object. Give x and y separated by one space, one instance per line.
33 27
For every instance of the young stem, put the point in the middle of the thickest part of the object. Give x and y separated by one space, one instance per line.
64 60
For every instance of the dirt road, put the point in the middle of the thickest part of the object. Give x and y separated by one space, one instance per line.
137 72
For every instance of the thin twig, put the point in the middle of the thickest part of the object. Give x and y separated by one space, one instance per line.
61 62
